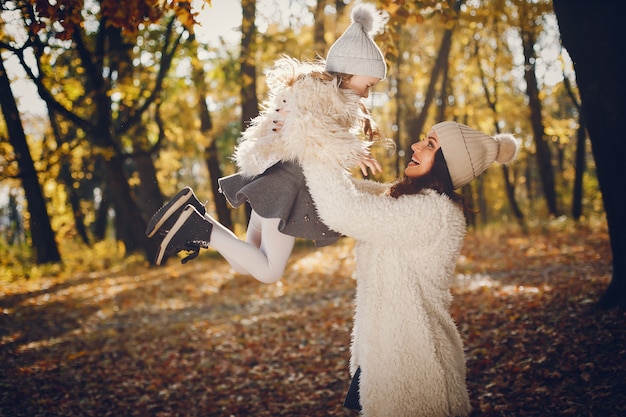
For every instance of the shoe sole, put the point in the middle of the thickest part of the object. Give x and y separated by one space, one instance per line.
170 234
167 211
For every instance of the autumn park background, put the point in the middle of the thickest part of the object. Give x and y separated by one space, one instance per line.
107 111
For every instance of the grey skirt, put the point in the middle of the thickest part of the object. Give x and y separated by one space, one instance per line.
280 193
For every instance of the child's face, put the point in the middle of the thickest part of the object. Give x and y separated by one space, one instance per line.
361 84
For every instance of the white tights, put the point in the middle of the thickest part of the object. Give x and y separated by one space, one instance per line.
263 255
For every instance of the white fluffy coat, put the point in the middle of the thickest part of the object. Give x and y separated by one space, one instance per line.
404 339
315 107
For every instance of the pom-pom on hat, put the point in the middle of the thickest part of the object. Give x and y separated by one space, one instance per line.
469 153
355 52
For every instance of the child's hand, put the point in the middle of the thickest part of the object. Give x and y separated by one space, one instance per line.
372 164
280 112
279 122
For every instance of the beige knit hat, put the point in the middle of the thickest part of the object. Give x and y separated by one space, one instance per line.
469 153
355 52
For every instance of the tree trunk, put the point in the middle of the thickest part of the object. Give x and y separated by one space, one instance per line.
319 28
544 163
15 232
444 92
211 153
215 172
129 221
492 100
470 215
149 197
247 61
99 227
65 176
73 198
580 163
417 125
213 161
130 225
401 108
581 140
44 244
594 34
441 64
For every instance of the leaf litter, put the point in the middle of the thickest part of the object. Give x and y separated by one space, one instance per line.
200 340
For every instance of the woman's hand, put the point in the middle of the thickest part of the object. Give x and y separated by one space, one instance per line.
371 163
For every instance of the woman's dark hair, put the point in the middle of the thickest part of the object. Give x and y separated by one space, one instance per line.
437 179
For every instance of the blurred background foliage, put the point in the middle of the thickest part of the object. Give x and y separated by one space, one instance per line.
121 107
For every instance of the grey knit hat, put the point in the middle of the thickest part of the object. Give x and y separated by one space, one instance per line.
355 52
469 153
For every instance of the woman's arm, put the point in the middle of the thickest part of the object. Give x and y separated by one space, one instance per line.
365 216
370 186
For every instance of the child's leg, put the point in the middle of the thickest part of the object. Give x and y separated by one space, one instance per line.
222 232
264 255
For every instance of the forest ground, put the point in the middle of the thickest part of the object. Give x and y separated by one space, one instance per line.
199 340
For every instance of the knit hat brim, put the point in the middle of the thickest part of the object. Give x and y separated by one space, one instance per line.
468 152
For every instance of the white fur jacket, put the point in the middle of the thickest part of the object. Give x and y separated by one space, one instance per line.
316 108
404 339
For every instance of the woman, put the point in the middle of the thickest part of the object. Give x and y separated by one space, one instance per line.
406 353
324 98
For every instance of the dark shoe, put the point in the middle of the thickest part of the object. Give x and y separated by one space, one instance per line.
190 232
165 217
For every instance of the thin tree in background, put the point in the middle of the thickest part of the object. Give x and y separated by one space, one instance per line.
417 124
44 244
439 67
580 162
400 97
319 28
491 96
527 16
247 63
211 153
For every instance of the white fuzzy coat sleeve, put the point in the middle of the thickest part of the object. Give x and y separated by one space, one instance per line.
371 186
365 216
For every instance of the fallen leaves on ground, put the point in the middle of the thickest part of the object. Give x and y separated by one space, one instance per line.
199 340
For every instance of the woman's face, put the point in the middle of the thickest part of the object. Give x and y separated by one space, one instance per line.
423 157
361 84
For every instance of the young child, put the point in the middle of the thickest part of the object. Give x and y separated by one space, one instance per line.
321 98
